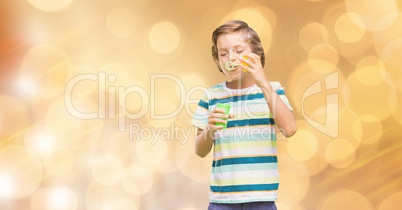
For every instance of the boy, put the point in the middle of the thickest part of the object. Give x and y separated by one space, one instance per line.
244 171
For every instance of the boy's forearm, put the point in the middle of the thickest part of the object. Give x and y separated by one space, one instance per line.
203 142
282 115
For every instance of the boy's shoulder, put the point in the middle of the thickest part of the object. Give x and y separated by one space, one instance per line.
217 87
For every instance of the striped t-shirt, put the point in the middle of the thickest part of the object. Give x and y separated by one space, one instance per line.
244 167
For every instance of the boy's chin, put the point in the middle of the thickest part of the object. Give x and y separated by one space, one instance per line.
235 77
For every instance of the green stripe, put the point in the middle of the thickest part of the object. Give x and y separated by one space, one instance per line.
246 167
252 121
235 98
244 160
242 188
246 181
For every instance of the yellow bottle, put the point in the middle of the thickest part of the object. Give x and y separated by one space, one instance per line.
245 64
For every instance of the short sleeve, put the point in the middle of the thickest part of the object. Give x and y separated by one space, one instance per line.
200 118
281 93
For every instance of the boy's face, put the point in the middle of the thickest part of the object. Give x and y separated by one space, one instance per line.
230 47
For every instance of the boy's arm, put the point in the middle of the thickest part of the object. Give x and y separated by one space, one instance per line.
282 115
203 142
205 137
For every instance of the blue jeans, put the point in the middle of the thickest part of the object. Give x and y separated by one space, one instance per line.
243 206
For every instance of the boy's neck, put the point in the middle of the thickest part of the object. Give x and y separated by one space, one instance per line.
242 83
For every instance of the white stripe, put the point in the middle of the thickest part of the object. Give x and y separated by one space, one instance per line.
229 153
243 197
246 131
243 174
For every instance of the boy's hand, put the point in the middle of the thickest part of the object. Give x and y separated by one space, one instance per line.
218 116
255 68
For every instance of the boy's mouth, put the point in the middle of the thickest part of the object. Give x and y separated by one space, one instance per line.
231 66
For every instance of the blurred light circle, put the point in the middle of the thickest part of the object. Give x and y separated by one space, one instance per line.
40 140
163 112
120 22
391 56
268 15
164 37
255 18
190 164
21 172
138 71
135 98
359 98
243 9
323 58
121 145
119 203
347 50
303 145
349 28
191 82
340 153
70 126
293 187
371 129
138 179
59 163
383 38
183 152
350 126
326 119
157 147
44 71
114 75
303 80
105 198
85 86
340 121
391 201
397 114
14 117
211 18
107 170
310 167
375 16
54 199
313 34
51 6
370 71
344 199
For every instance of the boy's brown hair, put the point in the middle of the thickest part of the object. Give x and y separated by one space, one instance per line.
236 26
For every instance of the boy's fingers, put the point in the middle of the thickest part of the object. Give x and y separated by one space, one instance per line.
217 127
231 116
219 110
219 115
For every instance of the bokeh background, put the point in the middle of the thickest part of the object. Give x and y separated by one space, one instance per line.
345 155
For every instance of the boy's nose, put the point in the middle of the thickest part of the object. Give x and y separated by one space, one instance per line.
232 53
